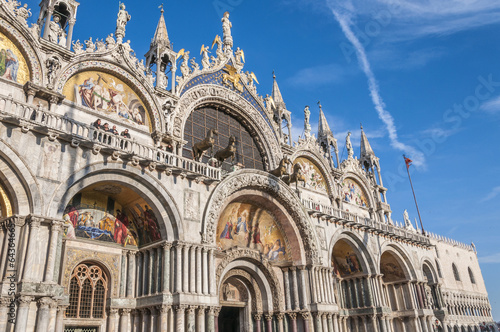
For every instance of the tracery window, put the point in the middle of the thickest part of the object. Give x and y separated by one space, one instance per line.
455 272
87 292
203 119
471 276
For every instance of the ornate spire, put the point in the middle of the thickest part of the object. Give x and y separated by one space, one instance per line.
277 97
366 149
161 34
323 127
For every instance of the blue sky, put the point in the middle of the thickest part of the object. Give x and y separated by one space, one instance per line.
428 88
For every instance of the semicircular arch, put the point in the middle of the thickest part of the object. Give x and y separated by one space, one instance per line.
358 246
204 94
144 92
151 190
319 162
21 185
25 47
262 272
402 257
364 186
266 183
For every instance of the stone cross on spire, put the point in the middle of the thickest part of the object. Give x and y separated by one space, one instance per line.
161 35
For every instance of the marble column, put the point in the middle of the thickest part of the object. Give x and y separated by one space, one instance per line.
179 318
211 320
52 316
295 289
112 320
204 257
71 25
257 318
200 318
123 274
153 320
211 271
145 272
330 323
51 258
192 270
22 313
42 323
287 289
317 322
125 320
178 268
374 323
164 311
303 288
152 270
165 276
60 318
293 321
216 319
280 321
139 279
269 322
4 303
136 323
131 274
324 318
32 252
199 270
306 318
191 322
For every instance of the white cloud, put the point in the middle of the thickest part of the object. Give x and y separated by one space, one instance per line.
495 258
493 194
343 15
318 75
491 106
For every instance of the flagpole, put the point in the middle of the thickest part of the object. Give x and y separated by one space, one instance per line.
414 197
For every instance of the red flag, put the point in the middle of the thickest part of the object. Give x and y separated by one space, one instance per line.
408 162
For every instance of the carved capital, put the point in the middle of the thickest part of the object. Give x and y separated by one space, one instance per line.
56 226
292 315
191 309
24 301
113 311
268 316
180 308
201 310
125 311
167 245
257 317
34 222
164 309
280 315
5 301
131 254
305 315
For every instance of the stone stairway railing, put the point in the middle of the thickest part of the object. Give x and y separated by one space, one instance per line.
54 125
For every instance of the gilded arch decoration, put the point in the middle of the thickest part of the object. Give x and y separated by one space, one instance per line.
25 47
262 181
255 258
354 190
204 94
366 260
144 95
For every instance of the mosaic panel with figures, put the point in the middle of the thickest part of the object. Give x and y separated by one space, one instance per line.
13 65
105 93
111 214
314 178
390 268
353 193
251 226
345 261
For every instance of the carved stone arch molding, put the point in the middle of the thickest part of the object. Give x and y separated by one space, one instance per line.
358 245
264 182
212 94
151 189
20 182
319 161
261 271
24 40
251 284
142 90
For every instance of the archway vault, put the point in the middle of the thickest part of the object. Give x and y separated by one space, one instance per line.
239 182
153 192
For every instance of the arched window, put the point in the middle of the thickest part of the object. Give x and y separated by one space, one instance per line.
87 292
471 276
455 272
439 269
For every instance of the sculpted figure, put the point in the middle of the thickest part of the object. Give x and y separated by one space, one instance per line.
23 13
123 17
348 145
110 40
226 25
54 29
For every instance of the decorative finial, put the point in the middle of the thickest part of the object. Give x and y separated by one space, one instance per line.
161 6
274 76
319 104
361 125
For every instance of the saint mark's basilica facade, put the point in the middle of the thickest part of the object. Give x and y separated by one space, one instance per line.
162 194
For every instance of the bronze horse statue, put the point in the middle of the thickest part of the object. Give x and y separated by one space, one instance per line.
282 168
229 151
296 176
208 143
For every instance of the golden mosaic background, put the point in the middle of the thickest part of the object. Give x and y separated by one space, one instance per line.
13 65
